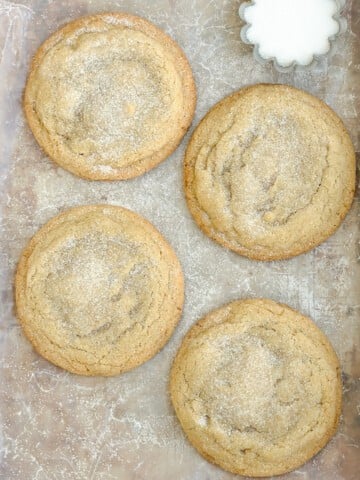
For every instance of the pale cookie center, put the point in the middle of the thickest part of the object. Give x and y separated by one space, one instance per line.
109 95
259 178
103 285
251 389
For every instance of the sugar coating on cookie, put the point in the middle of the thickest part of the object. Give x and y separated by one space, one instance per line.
98 290
109 96
270 172
256 387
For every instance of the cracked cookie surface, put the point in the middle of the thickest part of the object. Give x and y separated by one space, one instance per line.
256 387
109 96
270 172
98 290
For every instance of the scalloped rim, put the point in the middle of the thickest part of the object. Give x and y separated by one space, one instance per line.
315 58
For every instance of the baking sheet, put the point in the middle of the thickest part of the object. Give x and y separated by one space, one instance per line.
55 425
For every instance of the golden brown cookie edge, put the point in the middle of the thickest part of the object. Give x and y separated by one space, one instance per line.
19 289
140 167
243 251
310 325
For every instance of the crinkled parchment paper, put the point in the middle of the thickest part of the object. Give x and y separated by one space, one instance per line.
55 425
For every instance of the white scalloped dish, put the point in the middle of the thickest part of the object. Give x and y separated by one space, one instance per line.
291 32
